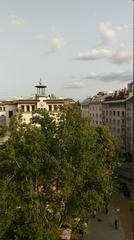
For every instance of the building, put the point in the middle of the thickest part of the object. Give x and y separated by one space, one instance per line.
28 106
95 108
129 125
92 108
85 106
118 115
114 110
114 116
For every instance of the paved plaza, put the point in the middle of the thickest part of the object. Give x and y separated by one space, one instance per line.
102 227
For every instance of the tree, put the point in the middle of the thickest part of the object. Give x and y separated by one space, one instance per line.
95 156
3 130
54 175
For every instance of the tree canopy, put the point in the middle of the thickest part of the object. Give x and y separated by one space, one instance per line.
52 175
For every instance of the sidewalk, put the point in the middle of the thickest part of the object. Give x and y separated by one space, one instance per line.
104 230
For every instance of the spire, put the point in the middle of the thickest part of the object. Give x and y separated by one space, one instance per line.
40 82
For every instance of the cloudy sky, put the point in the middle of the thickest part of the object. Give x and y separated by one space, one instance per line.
77 47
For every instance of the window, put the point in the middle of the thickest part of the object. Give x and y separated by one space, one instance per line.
123 113
113 121
33 108
50 108
0 108
2 118
113 113
96 115
28 108
59 107
22 108
118 113
118 130
55 107
110 113
10 114
109 120
118 122
106 112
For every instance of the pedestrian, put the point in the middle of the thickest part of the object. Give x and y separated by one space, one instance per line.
81 234
116 224
94 213
106 210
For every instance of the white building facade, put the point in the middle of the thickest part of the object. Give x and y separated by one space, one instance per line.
28 106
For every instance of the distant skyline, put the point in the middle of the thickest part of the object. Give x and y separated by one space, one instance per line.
77 47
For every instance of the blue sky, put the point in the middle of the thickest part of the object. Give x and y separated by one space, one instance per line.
77 47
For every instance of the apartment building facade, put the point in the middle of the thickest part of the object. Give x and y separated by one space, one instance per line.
116 111
129 124
92 108
114 116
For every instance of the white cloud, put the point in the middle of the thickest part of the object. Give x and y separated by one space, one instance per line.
122 55
122 28
122 75
1 29
95 54
109 34
57 44
76 84
17 21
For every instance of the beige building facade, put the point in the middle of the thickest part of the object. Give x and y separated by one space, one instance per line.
116 111
114 116
129 125
28 106
92 108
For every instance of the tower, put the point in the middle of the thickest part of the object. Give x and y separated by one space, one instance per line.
40 89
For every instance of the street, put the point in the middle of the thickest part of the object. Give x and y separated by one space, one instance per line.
102 227
119 201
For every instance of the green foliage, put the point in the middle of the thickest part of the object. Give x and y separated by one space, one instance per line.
3 130
54 174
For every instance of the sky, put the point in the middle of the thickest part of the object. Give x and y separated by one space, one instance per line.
77 47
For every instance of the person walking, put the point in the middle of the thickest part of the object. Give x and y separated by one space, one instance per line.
116 224
94 213
81 234
106 210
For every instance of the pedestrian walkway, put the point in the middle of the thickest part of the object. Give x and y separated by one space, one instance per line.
119 201
102 227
